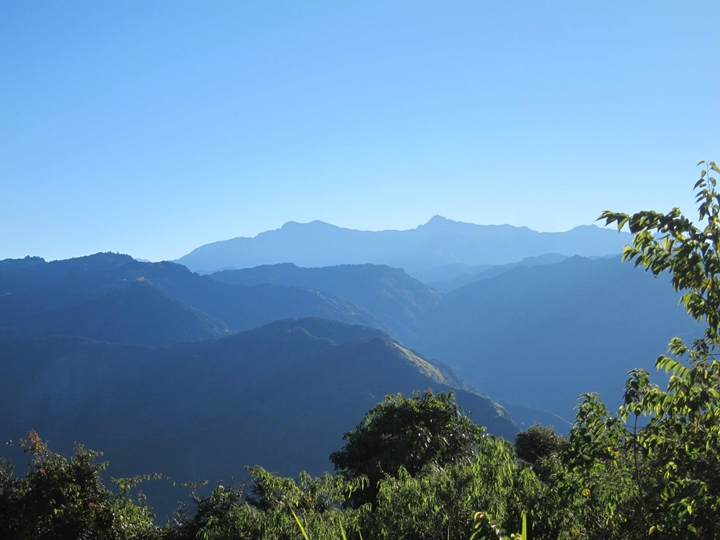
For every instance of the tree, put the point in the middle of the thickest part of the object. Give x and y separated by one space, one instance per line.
412 433
63 498
538 442
677 454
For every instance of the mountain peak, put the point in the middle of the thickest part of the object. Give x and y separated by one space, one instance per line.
438 242
315 224
438 217
438 220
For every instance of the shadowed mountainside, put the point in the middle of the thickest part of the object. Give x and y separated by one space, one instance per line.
73 297
449 278
141 313
281 396
391 295
541 336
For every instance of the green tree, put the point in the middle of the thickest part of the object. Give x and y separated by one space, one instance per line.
267 506
677 456
411 433
441 503
538 442
62 498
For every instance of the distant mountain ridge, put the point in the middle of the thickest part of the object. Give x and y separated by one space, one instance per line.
449 278
438 242
152 304
549 331
543 335
391 295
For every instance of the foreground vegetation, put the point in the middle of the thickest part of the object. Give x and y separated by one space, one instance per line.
416 467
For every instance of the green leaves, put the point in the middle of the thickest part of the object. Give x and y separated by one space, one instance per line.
671 242
66 498
676 453
412 433
538 442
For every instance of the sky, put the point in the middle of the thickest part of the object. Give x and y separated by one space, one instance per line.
153 127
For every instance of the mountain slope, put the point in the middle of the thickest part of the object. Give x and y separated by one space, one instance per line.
281 396
541 336
455 277
439 242
389 294
37 293
140 313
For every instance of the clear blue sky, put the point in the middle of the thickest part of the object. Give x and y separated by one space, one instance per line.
151 127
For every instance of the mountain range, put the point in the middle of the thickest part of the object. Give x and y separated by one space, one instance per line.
537 333
530 334
194 376
543 335
152 303
392 296
281 396
440 242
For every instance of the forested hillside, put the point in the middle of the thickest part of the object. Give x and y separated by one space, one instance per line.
563 326
67 296
280 396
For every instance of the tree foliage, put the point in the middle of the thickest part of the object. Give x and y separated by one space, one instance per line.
409 433
679 447
538 442
62 498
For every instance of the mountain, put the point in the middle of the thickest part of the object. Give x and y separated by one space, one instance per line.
449 278
543 335
113 297
437 243
141 313
391 295
281 396
17 274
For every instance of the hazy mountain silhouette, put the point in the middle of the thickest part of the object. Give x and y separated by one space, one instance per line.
451 277
391 295
280 396
543 335
437 243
